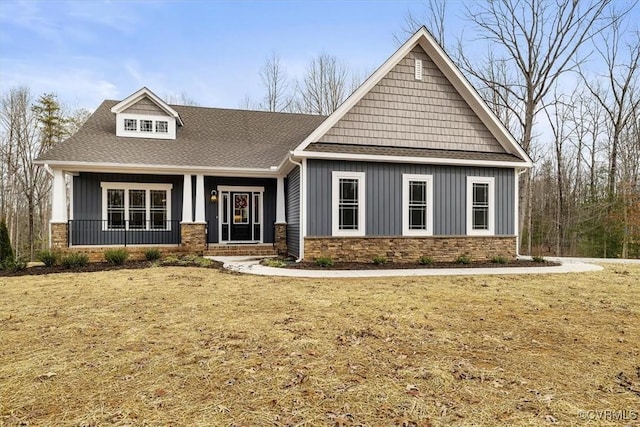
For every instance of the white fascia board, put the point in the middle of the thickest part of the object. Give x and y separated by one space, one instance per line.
158 169
405 159
135 97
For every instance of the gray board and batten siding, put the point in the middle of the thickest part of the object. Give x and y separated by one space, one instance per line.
268 203
383 197
401 111
86 226
293 212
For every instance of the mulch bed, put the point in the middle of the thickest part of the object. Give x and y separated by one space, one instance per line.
402 266
101 266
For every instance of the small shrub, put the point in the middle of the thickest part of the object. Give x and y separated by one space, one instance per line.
14 264
152 254
425 260
538 258
116 256
324 261
74 260
499 259
274 262
463 259
379 260
47 257
202 262
186 261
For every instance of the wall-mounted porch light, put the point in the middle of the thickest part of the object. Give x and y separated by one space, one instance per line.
214 196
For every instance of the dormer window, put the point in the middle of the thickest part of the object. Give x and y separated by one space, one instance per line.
130 125
144 115
162 126
146 125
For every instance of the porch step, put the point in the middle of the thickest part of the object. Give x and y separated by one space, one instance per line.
264 249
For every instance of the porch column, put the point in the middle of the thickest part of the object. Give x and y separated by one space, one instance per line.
192 234
58 227
281 220
59 197
280 216
187 207
200 198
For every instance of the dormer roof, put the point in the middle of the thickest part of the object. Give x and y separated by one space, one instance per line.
144 92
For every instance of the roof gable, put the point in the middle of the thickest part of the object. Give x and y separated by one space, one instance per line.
377 113
403 111
146 102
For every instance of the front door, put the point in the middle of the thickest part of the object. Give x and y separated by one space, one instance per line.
240 213
241 217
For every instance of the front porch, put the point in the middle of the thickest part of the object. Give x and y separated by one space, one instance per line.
190 213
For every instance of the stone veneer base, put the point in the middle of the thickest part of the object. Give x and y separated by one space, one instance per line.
409 249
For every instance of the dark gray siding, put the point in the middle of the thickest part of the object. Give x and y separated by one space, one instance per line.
87 205
269 203
384 196
293 212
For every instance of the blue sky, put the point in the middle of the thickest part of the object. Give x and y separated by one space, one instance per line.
86 51
212 51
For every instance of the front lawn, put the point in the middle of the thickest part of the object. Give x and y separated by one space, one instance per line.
185 346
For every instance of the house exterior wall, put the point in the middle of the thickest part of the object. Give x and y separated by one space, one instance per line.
293 212
404 112
268 203
146 107
87 205
383 196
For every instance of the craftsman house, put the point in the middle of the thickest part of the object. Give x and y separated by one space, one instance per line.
413 163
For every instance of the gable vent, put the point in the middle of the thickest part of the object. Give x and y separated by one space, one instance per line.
418 69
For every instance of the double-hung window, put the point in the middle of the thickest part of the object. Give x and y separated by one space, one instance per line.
480 205
136 206
348 203
417 205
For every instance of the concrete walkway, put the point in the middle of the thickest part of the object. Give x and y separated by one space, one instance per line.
251 265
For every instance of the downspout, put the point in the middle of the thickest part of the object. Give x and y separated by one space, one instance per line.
301 241
517 210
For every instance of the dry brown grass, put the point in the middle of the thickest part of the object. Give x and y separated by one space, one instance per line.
187 346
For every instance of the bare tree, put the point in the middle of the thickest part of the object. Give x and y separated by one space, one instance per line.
274 79
324 87
540 41
181 99
433 19
29 137
619 95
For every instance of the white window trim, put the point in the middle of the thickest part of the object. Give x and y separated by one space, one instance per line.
406 179
480 180
169 134
335 203
126 186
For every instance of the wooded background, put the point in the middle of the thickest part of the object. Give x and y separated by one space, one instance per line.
581 127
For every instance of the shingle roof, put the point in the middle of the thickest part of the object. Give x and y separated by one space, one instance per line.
210 137
322 147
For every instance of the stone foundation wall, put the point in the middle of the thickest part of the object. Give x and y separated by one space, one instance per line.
193 237
59 235
409 249
281 239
